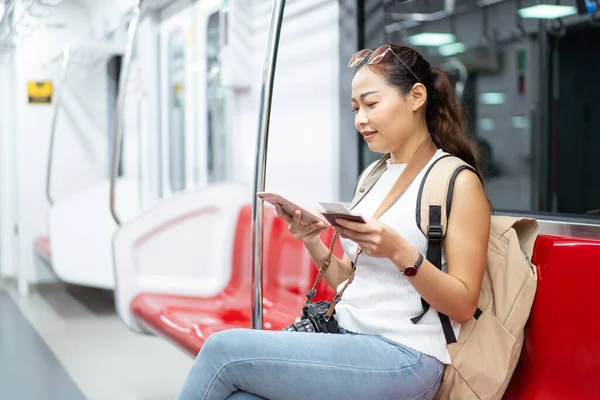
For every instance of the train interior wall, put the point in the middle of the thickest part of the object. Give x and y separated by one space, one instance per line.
304 116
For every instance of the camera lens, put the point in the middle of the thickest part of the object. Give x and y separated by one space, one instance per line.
304 325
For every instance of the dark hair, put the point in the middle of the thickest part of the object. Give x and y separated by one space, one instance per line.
443 113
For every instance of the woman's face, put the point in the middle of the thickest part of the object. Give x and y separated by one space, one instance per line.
383 116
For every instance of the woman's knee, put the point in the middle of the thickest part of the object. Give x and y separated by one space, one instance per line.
230 342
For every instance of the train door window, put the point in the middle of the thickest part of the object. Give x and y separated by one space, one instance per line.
216 132
530 91
489 84
492 62
575 126
177 110
501 105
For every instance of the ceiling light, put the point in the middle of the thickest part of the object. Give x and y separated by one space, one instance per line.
520 122
547 11
431 39
452 49
487 124
491 98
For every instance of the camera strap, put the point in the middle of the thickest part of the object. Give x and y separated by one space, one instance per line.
416 164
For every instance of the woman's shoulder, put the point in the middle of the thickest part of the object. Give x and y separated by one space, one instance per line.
466 180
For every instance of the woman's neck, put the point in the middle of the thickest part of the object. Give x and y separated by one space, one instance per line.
405 152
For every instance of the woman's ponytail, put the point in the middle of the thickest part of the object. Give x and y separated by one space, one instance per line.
444 121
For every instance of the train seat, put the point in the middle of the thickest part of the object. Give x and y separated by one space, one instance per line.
176 316
198 229
561 353
288 272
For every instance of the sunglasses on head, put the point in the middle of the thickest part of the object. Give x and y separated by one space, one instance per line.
375 57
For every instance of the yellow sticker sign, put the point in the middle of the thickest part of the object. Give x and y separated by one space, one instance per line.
178 95
39 92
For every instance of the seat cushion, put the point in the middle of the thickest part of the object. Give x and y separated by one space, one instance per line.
561 350
188 321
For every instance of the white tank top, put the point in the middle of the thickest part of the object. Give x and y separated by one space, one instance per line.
381 300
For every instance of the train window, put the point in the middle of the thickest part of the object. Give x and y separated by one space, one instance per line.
529 91
177 110
216 137
575 122
500 107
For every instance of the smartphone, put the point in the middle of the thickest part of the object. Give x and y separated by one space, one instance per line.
336 210
290 207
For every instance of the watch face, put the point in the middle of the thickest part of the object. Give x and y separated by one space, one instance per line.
410 271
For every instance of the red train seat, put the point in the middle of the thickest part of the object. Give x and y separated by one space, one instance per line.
561 353
288 273
172 316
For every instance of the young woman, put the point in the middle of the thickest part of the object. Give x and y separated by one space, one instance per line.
401 103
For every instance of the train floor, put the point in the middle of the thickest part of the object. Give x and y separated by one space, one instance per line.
66 342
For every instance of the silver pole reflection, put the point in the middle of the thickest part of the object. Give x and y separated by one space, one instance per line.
123 79
260 166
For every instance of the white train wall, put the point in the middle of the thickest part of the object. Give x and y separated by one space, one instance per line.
26 139
303 149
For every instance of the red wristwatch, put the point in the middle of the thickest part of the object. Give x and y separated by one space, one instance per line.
412 270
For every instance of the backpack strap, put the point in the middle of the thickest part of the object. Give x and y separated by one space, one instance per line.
432 212
363 176
368 178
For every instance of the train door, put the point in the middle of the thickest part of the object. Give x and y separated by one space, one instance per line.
180 154
217 97
211 97
492 56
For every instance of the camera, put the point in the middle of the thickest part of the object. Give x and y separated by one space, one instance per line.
313 319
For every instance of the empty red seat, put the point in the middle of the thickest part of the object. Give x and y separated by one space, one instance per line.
561 353
169 315
289 267
288 273
41 246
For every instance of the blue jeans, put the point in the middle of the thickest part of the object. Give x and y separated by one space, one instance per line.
248 364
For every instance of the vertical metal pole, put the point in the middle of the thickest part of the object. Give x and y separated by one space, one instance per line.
123 80
540 152
66 56
266 94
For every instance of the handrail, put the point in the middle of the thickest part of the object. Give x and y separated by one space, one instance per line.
266 95
123 79
66 56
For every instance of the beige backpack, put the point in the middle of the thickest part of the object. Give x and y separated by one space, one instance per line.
488 346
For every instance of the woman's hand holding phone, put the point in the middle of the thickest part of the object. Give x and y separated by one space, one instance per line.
302 230
378 240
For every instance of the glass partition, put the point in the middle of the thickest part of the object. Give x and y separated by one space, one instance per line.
216 132
528 91
177 110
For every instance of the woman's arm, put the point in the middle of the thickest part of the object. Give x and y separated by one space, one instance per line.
456 293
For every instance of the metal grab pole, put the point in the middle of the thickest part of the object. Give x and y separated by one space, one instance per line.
66 57
261 162
123 79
